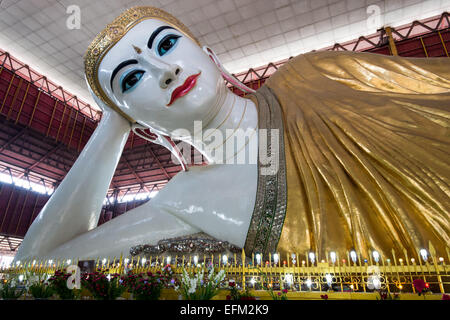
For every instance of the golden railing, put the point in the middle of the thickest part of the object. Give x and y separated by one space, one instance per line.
348 273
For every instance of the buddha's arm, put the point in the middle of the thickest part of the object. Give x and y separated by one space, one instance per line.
217 199
146 224
75 206
201 199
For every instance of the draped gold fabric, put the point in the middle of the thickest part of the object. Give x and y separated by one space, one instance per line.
367 146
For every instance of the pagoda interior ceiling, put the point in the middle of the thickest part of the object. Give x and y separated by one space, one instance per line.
244 33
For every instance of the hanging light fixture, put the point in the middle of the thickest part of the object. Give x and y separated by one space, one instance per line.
333 256
258 259
376 256
276 258
424 254
353 256
312 257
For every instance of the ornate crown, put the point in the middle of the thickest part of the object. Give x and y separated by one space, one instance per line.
113 32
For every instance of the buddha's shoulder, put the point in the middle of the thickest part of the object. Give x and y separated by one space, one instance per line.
314 70
336 57
342 59
211 180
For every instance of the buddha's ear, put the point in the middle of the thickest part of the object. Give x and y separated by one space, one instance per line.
225 74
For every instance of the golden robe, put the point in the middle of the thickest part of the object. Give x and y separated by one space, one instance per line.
367 147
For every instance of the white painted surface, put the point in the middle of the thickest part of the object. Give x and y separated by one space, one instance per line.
74 208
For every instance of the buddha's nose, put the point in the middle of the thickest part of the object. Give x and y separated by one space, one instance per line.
169 75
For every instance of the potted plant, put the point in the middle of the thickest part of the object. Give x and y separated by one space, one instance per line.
147 286
386 295
58 282
280 295
421 287
40 289
200 287
103 286
10 289
236 294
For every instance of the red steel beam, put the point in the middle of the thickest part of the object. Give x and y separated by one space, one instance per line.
13 139
158 162
35 164
134 173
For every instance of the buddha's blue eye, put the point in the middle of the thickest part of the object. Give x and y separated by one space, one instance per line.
130 79
167 43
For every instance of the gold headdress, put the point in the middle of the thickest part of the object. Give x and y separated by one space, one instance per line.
113 32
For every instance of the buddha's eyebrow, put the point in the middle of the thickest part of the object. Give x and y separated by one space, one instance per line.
120 66
155 33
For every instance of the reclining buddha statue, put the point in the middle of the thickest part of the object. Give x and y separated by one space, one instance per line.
352 151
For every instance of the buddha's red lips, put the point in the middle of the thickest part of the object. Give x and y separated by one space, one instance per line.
184 89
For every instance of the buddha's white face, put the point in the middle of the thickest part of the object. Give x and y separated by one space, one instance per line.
160 77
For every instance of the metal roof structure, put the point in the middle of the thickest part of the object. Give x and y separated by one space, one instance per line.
244 33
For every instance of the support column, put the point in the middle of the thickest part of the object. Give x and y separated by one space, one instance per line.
391 41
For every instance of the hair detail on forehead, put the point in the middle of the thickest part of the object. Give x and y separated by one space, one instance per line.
113 32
